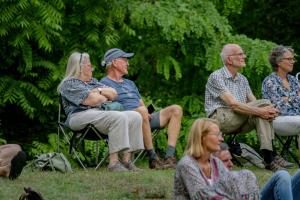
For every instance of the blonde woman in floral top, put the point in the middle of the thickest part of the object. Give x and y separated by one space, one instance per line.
283 90
199 175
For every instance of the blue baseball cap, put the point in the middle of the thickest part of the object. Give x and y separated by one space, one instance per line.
114 53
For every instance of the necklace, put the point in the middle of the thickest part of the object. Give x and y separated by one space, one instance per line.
206 170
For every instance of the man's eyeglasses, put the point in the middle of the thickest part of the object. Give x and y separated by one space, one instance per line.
238 54
290 59
218 134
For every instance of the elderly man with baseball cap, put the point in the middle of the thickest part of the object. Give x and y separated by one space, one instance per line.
116 61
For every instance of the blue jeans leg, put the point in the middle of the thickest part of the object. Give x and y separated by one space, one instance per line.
279 187
296 185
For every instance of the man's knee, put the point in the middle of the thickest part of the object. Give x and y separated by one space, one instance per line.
177 110
260 103
173 110
134 116
118 117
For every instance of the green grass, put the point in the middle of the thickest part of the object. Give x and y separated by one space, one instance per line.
91 184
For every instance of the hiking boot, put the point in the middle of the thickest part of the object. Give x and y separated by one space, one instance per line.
171 161
273 166
283 163
131 167
158 164
118 167
17 164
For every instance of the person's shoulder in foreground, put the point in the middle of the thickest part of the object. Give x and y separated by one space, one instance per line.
12 160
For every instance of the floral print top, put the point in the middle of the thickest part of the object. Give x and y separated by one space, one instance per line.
273 89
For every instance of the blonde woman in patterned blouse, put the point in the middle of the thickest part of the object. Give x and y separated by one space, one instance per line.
200 175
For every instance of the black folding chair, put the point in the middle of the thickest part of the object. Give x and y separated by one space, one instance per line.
286 145
76 140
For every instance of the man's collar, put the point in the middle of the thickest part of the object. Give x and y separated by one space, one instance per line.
228 75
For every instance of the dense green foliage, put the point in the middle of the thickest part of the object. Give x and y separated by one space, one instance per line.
271 20
177 45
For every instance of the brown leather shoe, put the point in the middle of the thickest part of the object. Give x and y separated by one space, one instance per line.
155 164
171 161
283 163
158 164
273 166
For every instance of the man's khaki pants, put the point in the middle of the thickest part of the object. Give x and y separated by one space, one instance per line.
231 121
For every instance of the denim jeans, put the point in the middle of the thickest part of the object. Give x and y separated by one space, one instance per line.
282 186
296 185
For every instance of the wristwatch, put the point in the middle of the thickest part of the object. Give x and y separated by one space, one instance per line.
100 90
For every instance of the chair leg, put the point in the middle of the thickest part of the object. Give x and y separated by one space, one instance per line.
103 160
139 155
78 158
142 153
285 147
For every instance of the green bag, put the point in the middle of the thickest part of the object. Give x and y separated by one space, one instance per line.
111 106
52 161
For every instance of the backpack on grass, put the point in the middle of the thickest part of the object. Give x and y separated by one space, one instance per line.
52 161
246 155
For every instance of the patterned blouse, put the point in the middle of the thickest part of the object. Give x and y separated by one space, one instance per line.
74 92
273 89
191 183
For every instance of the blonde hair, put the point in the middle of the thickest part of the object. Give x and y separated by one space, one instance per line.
74 66
199 129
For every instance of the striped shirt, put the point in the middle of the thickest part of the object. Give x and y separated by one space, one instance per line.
222 81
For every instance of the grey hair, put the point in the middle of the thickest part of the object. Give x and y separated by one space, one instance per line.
108 64
276 55
226 51
74 66
224 146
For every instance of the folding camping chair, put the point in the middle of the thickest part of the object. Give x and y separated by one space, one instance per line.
286 146
76 139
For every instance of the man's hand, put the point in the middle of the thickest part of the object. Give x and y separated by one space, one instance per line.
268 112
149 115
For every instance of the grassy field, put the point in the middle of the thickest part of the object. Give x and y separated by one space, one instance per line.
92 185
